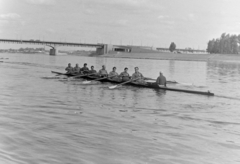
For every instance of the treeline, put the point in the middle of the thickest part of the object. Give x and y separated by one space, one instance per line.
226 44
31 49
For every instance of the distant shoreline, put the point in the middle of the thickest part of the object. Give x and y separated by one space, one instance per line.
233 58
175 56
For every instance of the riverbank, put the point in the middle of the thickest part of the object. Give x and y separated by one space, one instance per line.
176 56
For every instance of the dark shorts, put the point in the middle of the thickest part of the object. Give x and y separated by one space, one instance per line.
125 78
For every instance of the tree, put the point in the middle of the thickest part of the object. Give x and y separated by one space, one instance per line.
172 47
226 44
235 43
210 46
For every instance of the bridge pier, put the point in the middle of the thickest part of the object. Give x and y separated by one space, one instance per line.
53 51
105 49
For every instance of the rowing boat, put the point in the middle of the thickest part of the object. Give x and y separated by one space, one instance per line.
152 85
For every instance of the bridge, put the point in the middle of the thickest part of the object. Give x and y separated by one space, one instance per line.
100 48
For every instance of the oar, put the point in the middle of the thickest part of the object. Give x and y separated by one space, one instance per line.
190 84
82 75
87 82
59 73
171 82
66 74
168 82
115 86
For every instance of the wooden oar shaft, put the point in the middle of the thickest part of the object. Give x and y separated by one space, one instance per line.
100 78
59 73
124 83
87 82
84 75
104 78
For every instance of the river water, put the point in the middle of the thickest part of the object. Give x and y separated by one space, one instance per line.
46 119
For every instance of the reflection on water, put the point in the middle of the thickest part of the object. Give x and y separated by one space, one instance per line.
226 75
52 59
55 120
171 66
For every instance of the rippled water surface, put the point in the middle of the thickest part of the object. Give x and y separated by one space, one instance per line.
49 119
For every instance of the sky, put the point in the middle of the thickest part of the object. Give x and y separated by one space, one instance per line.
157 23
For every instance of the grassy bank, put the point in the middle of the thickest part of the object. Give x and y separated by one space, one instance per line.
175 56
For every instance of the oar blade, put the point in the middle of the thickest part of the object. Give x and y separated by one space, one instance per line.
113 87
86 82
187 84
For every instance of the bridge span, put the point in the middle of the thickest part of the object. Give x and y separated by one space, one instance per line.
100 48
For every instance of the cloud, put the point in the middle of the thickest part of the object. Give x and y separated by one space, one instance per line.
166 20
89 11
41 2
9 16
131 2
162 17
50 31
125 2
23 23
131 5
192 17
122 22
2 22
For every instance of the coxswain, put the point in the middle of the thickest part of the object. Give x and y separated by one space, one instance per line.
84 69
76 69
137 75
92 71
113 75
161 80
124 75
69 69
103 72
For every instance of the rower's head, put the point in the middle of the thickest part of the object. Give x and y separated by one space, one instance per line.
114 69
160 73
136 69
103 67
69 64
76 65
92 67
85 65
125 69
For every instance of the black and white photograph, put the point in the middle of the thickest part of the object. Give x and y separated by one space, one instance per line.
119 82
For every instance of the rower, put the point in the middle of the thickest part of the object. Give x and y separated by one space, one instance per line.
124 75
113 74
103 72
84 69
137 75
92 71
69 69
161 80
76 69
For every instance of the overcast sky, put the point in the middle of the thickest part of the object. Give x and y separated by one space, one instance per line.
188 23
